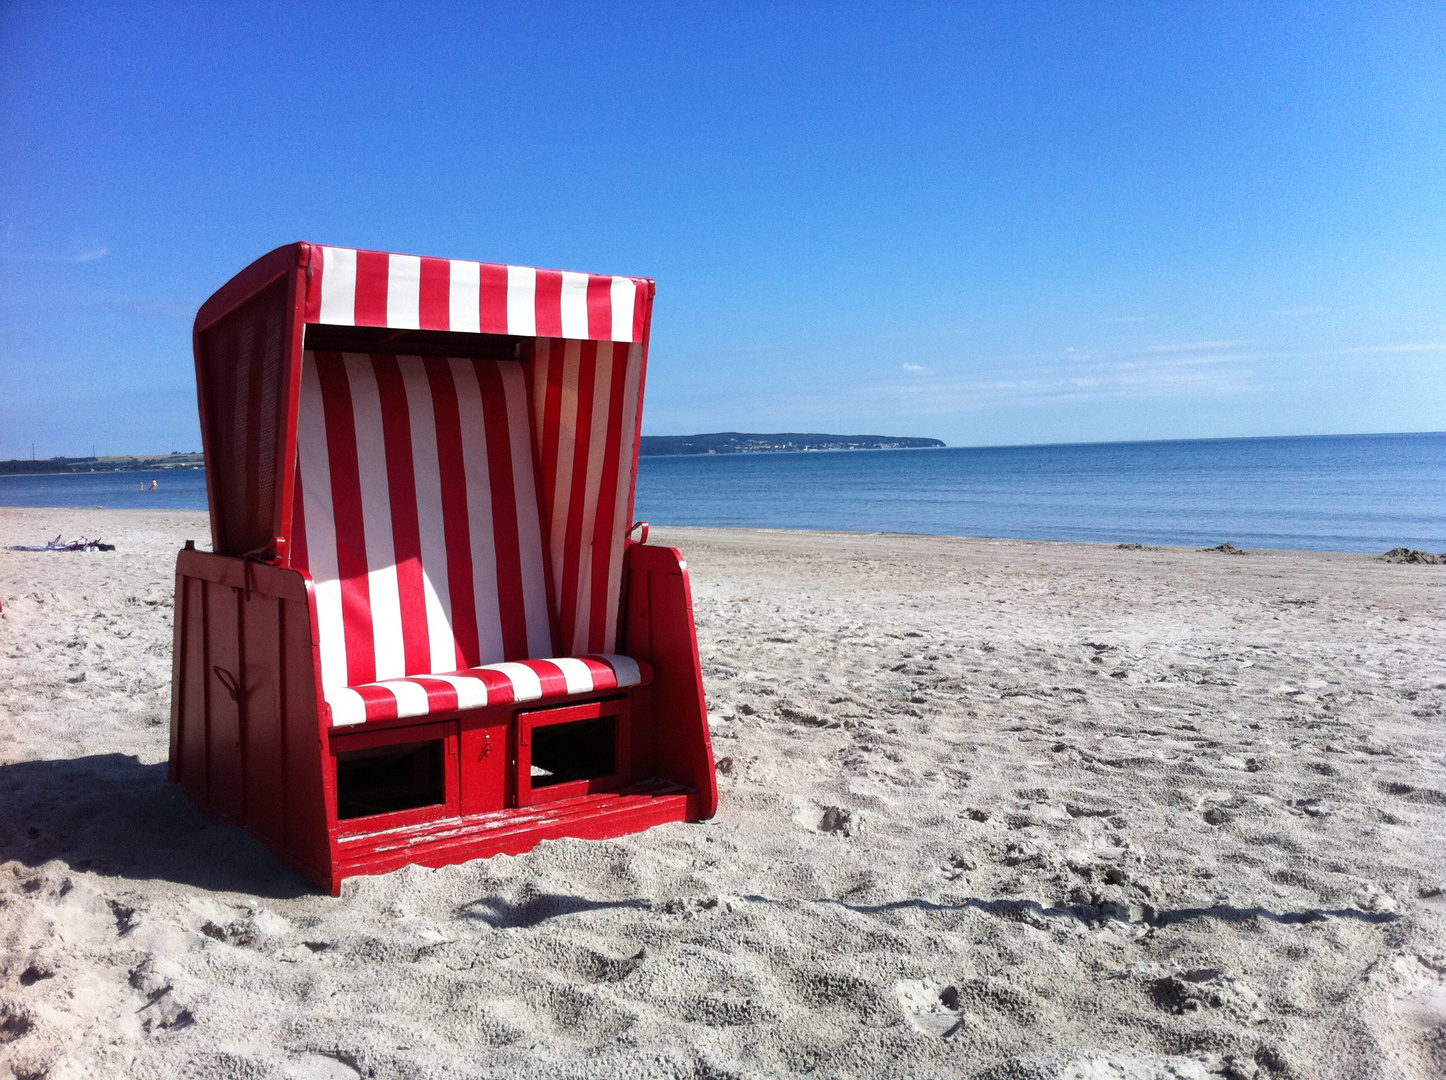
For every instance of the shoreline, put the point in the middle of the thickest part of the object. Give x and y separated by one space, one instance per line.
1103 545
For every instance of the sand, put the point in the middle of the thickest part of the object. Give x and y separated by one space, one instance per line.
989 809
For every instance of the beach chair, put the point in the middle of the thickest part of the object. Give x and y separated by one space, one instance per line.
425 633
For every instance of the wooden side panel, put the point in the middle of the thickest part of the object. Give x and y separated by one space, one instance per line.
256 761
188 710
637 636
224 668
307 840
660 629
263 706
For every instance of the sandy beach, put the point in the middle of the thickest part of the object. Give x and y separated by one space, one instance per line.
998 809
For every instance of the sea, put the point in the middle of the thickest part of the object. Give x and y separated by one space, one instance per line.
1364 493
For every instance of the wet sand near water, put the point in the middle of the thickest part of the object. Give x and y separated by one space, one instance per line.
994 809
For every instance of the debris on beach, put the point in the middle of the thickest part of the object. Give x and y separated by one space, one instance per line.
837 820
80 543
1411 555
1227 548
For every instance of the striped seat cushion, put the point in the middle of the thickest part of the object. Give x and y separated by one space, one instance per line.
492 684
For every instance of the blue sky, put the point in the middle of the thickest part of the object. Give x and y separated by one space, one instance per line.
990 223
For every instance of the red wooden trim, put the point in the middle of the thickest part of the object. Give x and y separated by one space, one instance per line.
258 276
203 407
290 405
656 560
345 740
179 624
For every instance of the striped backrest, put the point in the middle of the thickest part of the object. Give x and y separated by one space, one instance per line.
586 397
416 515
347 287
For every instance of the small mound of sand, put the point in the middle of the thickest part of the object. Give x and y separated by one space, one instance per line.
1411 555
1227 548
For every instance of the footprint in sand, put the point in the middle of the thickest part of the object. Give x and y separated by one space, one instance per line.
931 1007
320 1066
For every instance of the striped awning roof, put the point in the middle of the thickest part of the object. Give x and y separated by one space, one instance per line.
348 287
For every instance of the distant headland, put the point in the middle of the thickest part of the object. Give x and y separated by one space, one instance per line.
109 463
744 442
719 442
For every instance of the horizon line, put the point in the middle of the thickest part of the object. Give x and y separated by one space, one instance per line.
946 446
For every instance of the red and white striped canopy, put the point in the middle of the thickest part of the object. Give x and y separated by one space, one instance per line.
347 287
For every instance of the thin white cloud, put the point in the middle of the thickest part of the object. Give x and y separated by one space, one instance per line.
1194 346
919 369
89 255
1090 375
1419 346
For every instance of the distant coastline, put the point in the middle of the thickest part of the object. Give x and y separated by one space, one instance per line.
108 464
746 442
720 442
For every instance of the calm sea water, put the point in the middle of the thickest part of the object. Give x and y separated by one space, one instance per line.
1333 493
176 489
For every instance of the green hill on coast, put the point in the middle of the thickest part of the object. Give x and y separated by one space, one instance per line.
110 463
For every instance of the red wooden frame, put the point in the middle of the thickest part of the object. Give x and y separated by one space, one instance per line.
251 740
529 721
451 804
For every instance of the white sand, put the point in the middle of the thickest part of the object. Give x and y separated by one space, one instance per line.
1099 814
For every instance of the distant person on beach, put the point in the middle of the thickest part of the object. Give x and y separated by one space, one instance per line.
153 485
